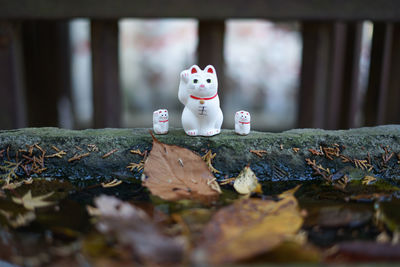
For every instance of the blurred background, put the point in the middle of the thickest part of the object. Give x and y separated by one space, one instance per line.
262 63
94 73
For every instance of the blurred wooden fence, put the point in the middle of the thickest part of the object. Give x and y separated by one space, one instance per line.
35 57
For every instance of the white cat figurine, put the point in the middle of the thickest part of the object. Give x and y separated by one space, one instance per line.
160 121
242 122
198 91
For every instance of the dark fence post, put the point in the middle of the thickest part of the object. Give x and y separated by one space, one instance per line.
211 50
12 108
392 106
315 68
47 69
335 77
343 96
105 68
329 92
350 96
377 92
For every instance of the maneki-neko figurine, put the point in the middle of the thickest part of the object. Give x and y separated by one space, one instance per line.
160 121
242 122
198 91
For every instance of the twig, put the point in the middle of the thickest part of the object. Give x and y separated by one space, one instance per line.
109 153
331 152
227 181
258 152
346 159
78 157
113 183
138 166
11 171
138 152
41 149
92 147
316 152
386 156
325 173
362 164
59 154
208 157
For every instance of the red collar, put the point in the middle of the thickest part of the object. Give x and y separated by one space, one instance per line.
244 122
163 121
203 98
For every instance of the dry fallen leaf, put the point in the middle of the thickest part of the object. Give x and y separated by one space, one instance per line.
31 203
249 228
133 228
19 219
175 173
247 182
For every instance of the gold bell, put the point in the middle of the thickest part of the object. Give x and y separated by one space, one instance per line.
202 102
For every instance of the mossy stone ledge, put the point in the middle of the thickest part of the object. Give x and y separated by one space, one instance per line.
280 163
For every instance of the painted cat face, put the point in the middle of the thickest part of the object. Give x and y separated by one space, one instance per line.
242 116
160 115
202 83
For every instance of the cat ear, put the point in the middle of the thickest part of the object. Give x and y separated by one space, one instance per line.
210 69
194 69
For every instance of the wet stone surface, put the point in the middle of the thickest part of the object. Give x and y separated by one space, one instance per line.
285 157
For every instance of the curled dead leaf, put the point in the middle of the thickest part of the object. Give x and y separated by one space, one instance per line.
175 173
249 228
247 182
133 228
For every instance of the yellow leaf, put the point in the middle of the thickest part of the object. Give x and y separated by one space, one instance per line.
249 228
247 182
31 203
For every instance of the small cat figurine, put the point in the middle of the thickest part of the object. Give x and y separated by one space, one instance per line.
198 91
160 121
242 122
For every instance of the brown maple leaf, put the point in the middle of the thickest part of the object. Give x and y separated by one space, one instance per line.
175 173
249 228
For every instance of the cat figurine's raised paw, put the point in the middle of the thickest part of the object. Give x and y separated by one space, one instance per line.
198 91
160 121
242 122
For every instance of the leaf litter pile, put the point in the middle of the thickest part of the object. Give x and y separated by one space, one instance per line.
180 214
